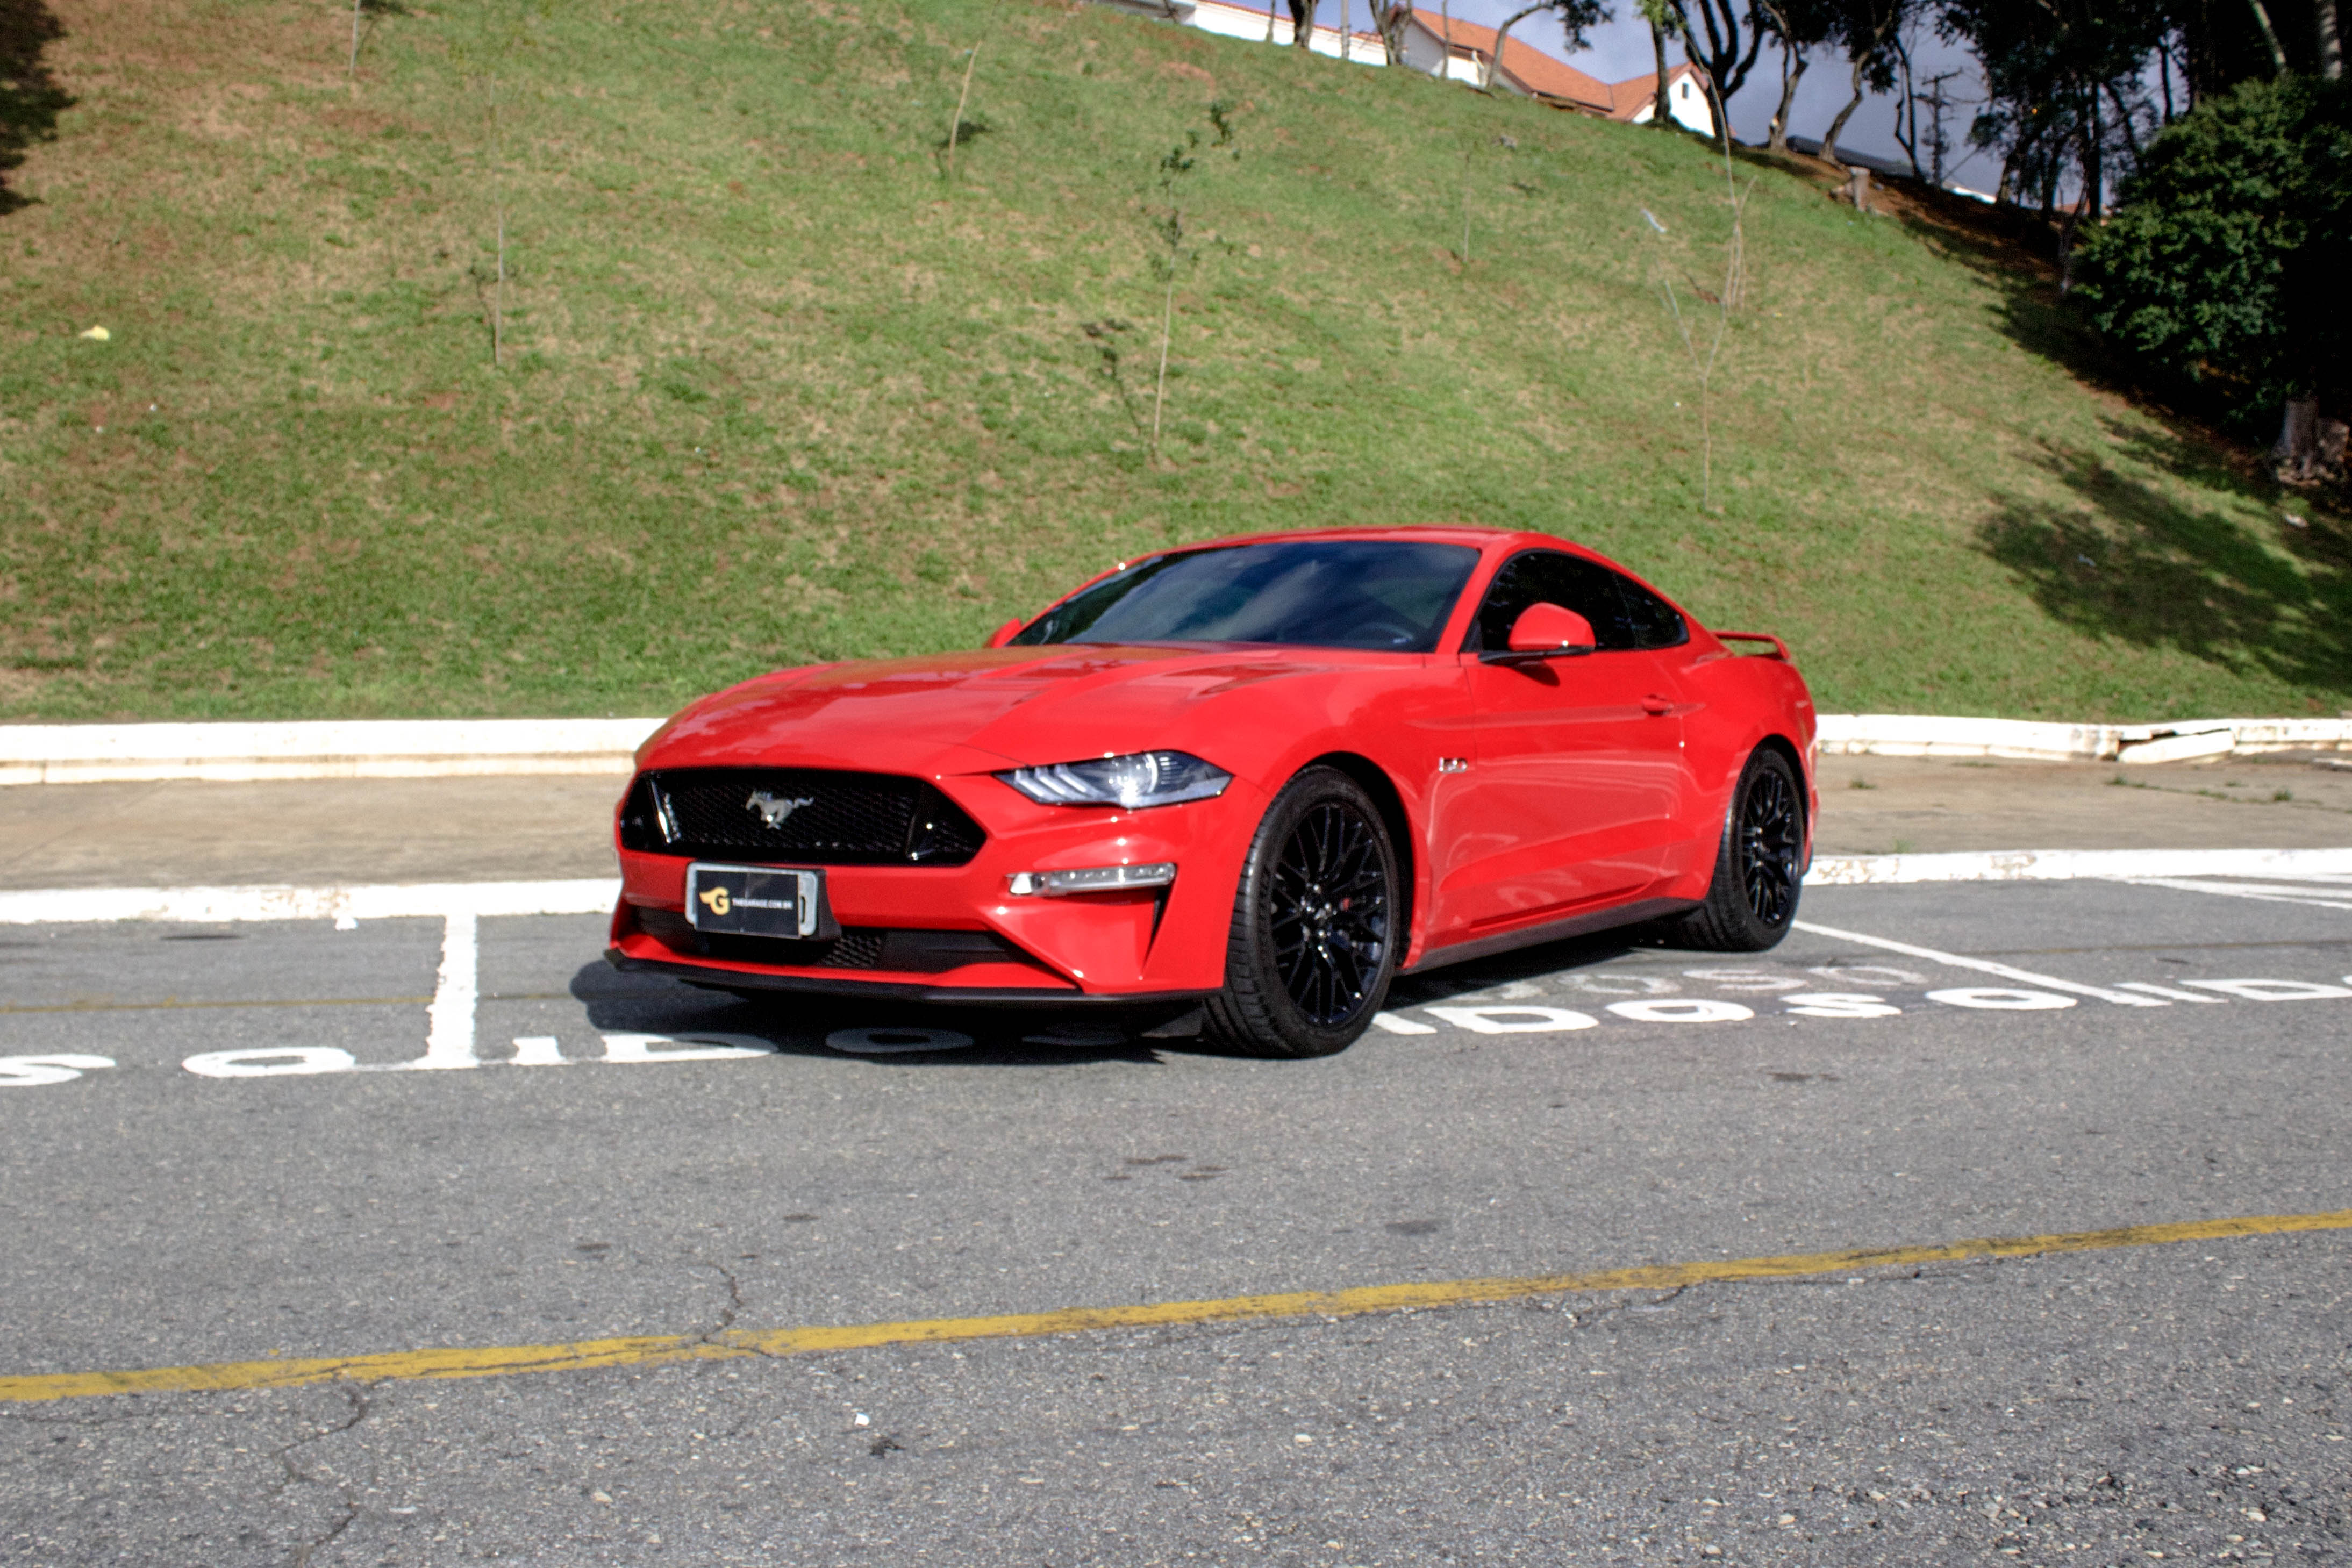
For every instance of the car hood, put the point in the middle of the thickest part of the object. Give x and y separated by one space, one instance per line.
969 712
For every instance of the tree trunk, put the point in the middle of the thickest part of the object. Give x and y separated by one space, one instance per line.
1662 113
2298 442
2270 36
1501 37
2094 166
2331 45
1302 23
1792 72
1837 126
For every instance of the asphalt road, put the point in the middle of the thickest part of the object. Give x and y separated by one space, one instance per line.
2172 1400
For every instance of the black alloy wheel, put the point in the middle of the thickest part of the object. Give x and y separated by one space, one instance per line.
1771 835
1314 934
1329 911
1759 864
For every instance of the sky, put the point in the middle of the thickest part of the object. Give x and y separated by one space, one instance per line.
1621 48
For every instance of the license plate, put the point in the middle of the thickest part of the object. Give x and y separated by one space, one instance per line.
754 901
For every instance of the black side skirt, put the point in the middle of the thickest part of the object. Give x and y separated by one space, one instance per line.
1551 931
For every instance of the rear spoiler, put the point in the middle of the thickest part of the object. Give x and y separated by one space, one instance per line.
1780 649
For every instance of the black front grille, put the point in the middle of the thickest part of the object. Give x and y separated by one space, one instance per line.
815 816
858 947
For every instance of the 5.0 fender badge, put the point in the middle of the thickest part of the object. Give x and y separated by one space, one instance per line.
772 808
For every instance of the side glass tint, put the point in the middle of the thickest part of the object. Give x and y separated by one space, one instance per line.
1624 613
1649 622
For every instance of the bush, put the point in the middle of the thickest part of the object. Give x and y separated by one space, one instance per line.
2226 262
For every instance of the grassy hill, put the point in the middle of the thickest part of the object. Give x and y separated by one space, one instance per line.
775 388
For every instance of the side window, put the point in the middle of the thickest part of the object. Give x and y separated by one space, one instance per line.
1624 615
1650 621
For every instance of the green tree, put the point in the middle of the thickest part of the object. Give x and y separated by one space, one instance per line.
2224 265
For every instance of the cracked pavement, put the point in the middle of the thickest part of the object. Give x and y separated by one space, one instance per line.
2150 1403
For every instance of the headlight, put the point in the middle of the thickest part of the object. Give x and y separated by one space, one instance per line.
1138 778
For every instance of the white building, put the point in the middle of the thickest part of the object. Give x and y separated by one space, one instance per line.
1461 51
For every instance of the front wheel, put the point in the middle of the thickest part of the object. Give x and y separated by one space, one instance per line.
1759 867
1315 935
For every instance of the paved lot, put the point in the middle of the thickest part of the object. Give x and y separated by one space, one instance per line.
415 829
2182 1399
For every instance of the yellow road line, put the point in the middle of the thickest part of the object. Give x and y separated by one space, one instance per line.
507 1361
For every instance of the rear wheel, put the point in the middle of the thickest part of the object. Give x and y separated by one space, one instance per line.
1315 938
1752 900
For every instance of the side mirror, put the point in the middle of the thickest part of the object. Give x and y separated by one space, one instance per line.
1548 630
1007 633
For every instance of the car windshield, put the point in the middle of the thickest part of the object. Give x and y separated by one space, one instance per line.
1387 594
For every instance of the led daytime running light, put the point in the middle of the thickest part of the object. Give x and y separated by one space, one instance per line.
1137 780
1089 879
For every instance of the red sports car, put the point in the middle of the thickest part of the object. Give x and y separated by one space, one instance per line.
1249 781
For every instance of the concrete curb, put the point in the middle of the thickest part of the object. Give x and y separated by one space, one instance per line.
2070 865
332 748
440 749
1924 735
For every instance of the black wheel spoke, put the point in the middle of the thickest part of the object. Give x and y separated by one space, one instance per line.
1328 915
1768 838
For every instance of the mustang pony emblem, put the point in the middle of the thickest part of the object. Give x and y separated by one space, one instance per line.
772 808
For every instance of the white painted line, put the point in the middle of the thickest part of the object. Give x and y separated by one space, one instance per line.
2270 990
1984 965
2240 890
33 1071
215 905
449 1030
2167 992
2069 865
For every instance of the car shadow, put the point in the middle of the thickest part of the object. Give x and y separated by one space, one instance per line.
797 1025
1526 964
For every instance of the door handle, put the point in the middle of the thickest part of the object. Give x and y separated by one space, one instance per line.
1657 705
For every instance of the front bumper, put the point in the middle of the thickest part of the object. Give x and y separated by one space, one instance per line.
1136 946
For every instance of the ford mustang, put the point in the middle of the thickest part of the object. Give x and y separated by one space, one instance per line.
1232 787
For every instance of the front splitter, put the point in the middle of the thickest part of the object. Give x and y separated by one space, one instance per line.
896 990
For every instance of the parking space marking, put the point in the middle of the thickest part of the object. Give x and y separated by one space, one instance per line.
2267 894
496 1360
450 1021
173 1005
1985 965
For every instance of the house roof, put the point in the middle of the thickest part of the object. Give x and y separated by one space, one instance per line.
1629 97
1532 69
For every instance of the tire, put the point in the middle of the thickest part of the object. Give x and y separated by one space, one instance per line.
1752 900
1315 940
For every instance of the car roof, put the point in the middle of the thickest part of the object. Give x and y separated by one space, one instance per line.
1435 533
